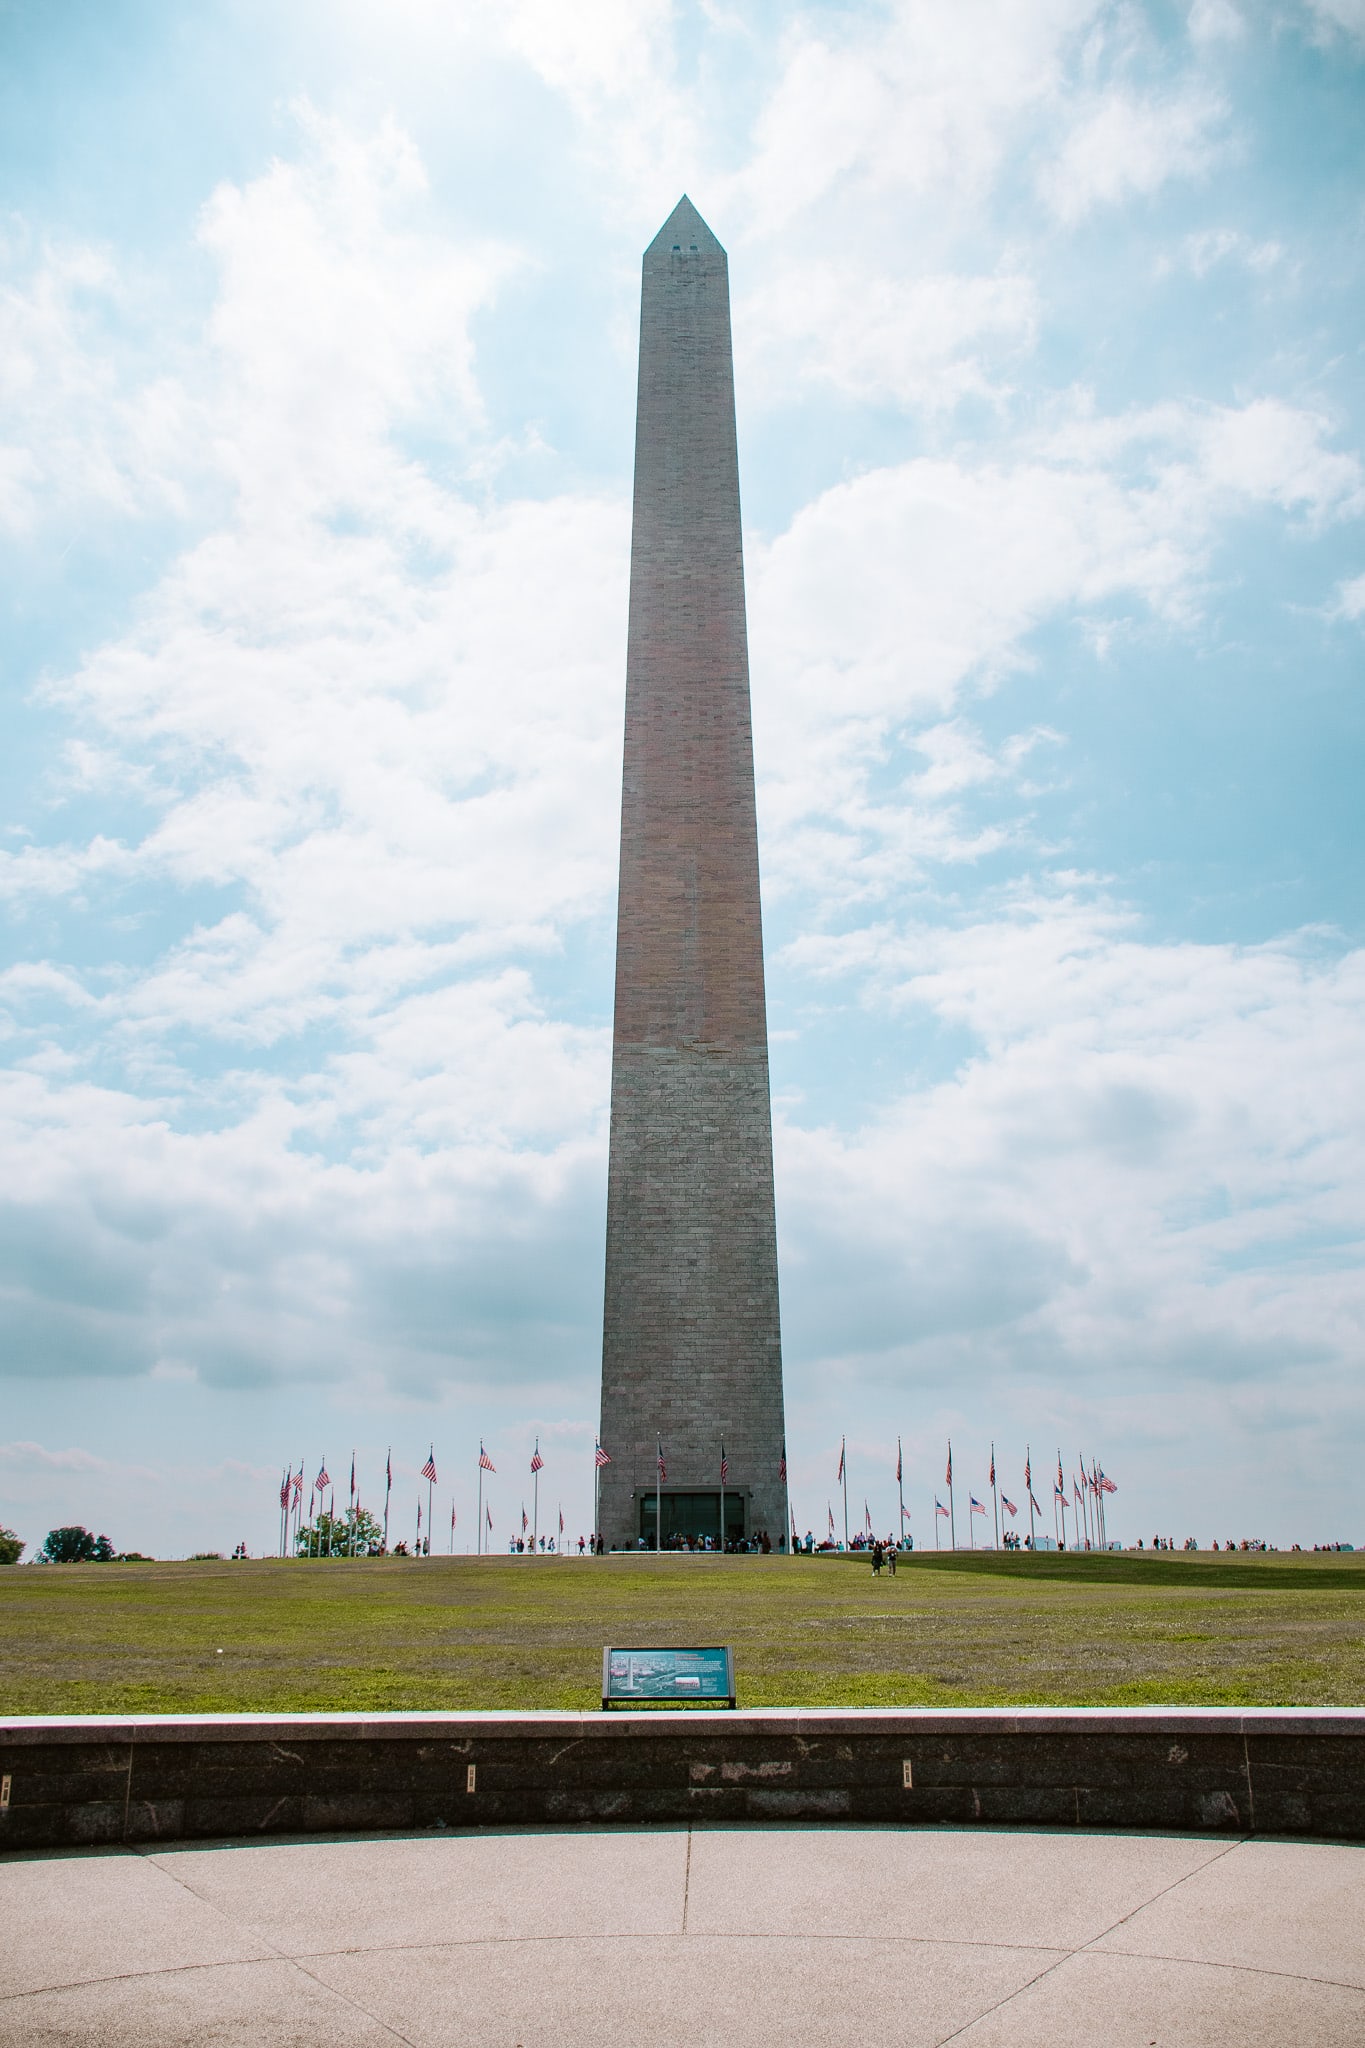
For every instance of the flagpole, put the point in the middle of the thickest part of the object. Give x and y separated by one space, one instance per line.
478 1540
388 1489
1085 1510
331 1521
452 1525
596 1494
1099 1495
535 1500
843 1473
658 1495
430 1486
1028 1488
722 1497
900 1489
952 1504
995 1496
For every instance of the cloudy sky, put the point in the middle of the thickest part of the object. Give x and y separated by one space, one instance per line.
317 334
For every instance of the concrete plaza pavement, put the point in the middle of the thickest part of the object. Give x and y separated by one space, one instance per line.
669 1935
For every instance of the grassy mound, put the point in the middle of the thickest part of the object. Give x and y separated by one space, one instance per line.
952 1630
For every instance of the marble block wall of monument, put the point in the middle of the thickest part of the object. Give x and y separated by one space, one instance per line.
691 1346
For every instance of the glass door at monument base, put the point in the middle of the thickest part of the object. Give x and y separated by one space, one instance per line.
693 1518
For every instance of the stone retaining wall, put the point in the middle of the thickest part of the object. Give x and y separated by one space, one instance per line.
154 1778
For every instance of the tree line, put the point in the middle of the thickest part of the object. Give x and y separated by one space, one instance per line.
69 1545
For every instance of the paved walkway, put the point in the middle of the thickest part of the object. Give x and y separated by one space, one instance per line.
755 1936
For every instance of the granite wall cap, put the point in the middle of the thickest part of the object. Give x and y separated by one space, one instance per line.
804 1722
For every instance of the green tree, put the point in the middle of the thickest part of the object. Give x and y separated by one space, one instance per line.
11 1547
75 1545
354 1534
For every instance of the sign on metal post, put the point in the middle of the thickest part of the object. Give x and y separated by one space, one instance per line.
672 1677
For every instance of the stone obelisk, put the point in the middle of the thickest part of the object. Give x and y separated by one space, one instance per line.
691 1343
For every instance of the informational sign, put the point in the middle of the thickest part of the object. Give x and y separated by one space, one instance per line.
672 1677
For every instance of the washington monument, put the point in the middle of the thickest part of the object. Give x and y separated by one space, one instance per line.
691 1341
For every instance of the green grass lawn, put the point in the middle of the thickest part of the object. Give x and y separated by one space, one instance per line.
958 1630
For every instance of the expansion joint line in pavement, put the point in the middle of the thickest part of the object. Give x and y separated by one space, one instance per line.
807 1937
149 1855
1122 1921
687 1879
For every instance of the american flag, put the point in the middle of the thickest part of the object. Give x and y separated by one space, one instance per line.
782 1465
840 1473
1037 1509
905 1514
992 1464
831 1521
388 1473
724 1466
486 1461
452 1514
1107 1483
489 1513
867 1518
286 1490
948 1475
601 1457
1076 1489
298 1486
561 1521
1006 1502
323 1480
1060 1480
1060 1492
352 1475
899 1474
977 1508
537 1462
939 1509
663 1469
524 1523
1028 1476
429 1469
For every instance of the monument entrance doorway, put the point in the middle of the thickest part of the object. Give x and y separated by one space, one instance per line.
693 1515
